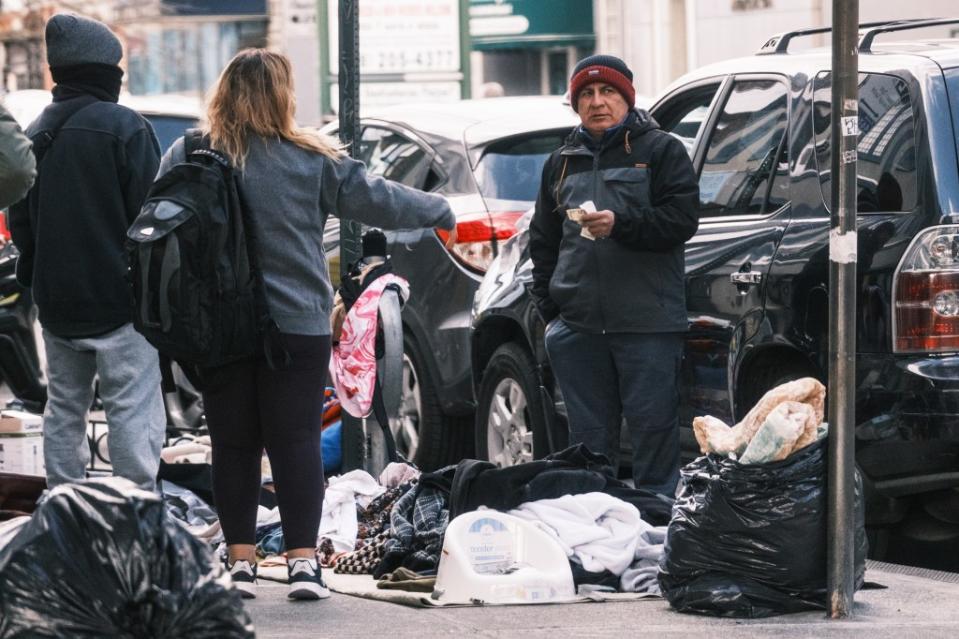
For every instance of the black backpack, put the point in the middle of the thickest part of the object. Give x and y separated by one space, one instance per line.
197 292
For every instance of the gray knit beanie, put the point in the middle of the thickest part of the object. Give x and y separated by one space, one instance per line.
73 39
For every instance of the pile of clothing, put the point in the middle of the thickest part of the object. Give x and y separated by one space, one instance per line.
610 548
392 526
787 419
594 517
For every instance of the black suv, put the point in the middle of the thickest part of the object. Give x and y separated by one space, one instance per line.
758 131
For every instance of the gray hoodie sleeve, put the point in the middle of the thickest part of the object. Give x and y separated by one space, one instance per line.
348 192
17 164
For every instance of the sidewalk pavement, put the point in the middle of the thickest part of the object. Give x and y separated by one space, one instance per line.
911 606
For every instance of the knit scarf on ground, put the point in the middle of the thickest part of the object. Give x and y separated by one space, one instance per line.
102 81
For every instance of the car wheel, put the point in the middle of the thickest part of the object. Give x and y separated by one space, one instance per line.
510 424
406 427
424 434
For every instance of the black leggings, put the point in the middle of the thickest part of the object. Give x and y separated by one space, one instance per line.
250 406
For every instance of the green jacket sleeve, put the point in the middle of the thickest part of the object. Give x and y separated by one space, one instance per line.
17 164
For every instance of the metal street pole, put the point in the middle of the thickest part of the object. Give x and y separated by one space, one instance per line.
842 306
349 115
352 438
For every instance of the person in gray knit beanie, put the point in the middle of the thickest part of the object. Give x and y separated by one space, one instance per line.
84 57
97 162
73 40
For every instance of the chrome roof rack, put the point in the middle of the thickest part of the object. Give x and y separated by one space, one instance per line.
779 43
865 40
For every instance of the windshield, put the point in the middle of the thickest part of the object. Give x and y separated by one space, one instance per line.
169 127
952 86
511 169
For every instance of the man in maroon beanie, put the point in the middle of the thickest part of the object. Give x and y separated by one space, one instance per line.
616 205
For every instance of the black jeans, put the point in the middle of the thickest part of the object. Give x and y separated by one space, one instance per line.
249 407
605 378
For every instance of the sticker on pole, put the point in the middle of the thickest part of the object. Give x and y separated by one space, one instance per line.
850 126
842 246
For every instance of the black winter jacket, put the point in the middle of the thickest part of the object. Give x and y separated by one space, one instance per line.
633 281
71 228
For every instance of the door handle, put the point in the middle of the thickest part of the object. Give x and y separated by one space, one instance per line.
747 278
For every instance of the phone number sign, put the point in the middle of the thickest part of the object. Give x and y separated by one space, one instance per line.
403 36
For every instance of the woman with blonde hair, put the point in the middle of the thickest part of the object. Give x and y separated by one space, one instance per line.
291 180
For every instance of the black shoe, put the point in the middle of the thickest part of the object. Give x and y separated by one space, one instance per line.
305 580
244 577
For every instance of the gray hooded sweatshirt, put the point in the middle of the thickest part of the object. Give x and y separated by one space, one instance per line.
290 192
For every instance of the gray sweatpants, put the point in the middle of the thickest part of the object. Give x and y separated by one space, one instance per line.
129 373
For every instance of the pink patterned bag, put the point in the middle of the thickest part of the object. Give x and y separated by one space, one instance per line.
353 362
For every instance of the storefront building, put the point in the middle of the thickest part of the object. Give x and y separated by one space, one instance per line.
528 47
181 47
170 46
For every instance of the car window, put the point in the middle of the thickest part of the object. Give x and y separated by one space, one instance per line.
744 149
684 115
511 169
169 127
886 160
393 156
779 191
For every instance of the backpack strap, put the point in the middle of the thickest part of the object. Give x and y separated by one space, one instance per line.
43 139
197 144
167 382
379 411
192 141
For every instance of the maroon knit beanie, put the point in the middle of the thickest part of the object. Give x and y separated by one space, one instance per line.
602 68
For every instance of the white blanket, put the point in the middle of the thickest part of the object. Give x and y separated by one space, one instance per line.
643 575
596 530
343 494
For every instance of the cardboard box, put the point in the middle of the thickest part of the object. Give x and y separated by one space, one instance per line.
22 453
16 421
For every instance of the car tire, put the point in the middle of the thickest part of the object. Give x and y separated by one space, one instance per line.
765 380
424 434
510 422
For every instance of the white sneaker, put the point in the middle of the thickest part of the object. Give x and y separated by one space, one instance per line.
305 580
244 577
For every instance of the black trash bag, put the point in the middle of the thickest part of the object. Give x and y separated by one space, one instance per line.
101 558
749 540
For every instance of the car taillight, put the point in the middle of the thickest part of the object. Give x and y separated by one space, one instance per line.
4 229
926 293
475 234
